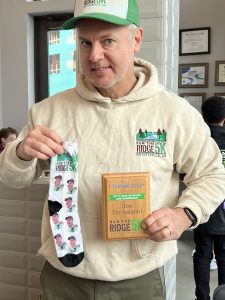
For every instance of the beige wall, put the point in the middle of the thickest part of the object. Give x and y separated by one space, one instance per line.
20 223
16 61
205 13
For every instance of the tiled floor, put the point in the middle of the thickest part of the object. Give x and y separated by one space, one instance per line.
185 279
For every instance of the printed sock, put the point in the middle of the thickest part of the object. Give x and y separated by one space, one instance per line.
63 206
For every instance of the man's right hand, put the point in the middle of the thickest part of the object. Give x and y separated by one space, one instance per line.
41 142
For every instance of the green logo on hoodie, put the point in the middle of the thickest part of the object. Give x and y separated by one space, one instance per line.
151 143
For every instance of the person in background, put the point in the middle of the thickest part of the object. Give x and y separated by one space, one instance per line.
211 235
123 120
213 264
7 135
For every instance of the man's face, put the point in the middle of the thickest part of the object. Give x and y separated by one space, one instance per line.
55 219
10 138
106 53
58 181
58 240
70 185
69 222
68 203
73 243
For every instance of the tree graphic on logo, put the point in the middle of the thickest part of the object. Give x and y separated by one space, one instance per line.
159 135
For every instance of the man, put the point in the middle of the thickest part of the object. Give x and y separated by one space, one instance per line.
69 204
58 183
58 239
115 97
71 226
73 243
211 235
70 186
57 223
62 246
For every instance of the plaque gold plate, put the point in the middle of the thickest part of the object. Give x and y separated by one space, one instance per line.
126 202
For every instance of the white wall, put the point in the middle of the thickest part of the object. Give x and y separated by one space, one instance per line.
16 50
205 13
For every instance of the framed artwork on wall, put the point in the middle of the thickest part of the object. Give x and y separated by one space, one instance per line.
194 41
193 75
220 72
220 94
195 99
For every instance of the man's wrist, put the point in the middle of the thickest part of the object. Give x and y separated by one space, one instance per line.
18 154
191 216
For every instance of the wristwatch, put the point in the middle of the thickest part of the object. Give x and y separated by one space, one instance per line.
191 216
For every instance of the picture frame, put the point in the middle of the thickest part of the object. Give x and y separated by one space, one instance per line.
193 75
220 72
195 99
194 41
220 94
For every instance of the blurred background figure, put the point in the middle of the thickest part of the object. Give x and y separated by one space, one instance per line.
7 135
210 236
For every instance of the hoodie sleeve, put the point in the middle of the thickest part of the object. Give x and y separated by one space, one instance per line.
197 155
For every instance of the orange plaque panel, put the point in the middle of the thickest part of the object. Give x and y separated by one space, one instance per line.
126 202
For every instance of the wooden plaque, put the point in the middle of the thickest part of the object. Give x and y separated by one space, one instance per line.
126 202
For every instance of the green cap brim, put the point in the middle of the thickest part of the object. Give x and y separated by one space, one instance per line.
72 23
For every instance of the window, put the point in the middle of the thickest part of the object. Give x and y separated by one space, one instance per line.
55 56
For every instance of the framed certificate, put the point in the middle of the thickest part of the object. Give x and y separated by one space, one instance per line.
220 94
194 41
220 72
195 99
193 75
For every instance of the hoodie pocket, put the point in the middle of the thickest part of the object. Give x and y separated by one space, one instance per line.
144 249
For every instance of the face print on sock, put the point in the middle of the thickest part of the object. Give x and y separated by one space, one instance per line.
72 227
70 186
58 183
73 244
57 223
70 205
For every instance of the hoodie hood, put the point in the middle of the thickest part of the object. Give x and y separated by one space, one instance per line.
146 86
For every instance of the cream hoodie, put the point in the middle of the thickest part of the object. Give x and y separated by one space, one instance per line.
107 134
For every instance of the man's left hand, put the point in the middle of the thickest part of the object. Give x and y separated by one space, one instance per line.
166 224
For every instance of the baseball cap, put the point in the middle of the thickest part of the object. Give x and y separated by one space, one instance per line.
57 235
68 199
120 12
70 180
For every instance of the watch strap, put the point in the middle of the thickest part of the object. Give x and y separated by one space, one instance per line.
191 216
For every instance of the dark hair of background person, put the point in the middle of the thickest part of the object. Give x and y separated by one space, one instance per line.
5 134
213 110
